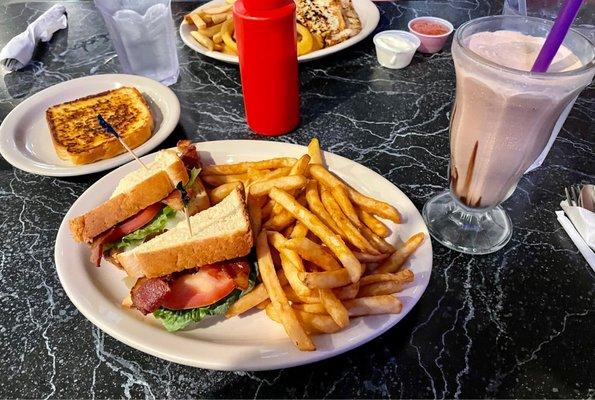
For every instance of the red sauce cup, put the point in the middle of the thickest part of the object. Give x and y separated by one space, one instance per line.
431 31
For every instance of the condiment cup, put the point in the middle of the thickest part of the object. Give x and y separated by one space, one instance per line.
388 56
431 43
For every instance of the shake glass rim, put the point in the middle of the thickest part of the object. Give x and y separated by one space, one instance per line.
476 57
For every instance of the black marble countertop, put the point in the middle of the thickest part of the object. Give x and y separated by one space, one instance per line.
518 323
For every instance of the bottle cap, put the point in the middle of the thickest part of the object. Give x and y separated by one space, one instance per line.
263 5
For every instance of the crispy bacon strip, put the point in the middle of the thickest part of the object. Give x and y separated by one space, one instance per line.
188 154
148 294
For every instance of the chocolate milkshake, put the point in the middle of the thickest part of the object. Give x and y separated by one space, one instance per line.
501 121
503 117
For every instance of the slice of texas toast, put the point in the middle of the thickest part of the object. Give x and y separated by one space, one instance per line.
79 138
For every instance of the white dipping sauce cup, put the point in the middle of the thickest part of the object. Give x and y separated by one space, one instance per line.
390 57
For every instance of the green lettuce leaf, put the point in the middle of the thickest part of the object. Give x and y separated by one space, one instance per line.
138 236
174 320
193 174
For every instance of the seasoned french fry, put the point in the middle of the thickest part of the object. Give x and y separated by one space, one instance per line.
287 231
211 30
299 168
313 308
342 198
218 180
299 231
404 276
255 175
326 279
272 174
229 50
331 240
279 301
357 307
286 183
188 19
218 18
334 307
284 218
242 167
254 209
379 243
377 226
221 192
347 292
291 263
266 210
217 38
226 34
398 258
374 206
380 288
263 305
203 40
314 151
353 234
370 258
386 304
295 298
197 20
366 203
316 206
252 298
313 252
313 323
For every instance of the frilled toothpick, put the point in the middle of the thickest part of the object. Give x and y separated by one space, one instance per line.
110 129
185 200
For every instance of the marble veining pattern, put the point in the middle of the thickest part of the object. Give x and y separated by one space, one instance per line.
518 323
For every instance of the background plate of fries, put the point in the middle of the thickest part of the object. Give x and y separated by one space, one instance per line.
207 31
337 277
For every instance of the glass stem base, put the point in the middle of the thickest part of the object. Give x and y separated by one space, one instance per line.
466 230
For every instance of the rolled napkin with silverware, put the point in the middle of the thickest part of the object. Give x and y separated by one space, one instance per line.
580 208
578 219
19 50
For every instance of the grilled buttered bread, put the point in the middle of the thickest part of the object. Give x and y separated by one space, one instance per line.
79 138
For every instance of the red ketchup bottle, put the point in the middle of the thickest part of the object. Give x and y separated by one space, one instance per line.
266 36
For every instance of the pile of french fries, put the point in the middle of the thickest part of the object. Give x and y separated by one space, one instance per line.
215 31
320 244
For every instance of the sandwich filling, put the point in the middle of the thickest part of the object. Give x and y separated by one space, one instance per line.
187 297
153 220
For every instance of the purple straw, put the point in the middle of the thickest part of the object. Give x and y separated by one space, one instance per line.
557 34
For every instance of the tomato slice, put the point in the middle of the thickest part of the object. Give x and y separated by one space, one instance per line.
133 223
139 220
202 288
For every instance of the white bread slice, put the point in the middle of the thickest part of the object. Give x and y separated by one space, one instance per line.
221 232
136 191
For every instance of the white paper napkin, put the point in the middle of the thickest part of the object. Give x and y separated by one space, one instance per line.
583 220
576 238
22 46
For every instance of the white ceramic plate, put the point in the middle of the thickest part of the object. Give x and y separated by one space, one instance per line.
366 10
25 139
251 342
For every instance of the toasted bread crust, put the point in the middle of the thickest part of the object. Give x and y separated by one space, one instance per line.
118 208
182 256
79 139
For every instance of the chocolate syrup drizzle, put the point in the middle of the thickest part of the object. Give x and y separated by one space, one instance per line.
454 178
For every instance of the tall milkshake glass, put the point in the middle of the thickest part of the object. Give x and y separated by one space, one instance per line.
501 121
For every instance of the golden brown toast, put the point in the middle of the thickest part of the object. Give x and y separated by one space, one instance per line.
79 138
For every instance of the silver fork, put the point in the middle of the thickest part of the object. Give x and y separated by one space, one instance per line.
573 195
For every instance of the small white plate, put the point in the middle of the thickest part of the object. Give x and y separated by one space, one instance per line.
250 342
366 10
26 142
